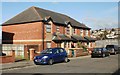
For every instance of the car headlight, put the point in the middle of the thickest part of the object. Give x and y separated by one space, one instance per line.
45 57
100 52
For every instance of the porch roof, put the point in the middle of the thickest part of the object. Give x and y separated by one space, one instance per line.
90 39
61 37
78 38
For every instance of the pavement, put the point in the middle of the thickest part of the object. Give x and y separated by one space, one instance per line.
20 64
26 63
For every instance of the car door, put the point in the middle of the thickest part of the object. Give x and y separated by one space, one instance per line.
106 51
56 56
62 54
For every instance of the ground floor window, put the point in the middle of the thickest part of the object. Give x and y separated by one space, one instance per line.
19 50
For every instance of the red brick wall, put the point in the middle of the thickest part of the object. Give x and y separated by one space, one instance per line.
53 28
8 59
78 31
83 33
62 30
53 44
26 52
89 33
77 52
26 31
30 33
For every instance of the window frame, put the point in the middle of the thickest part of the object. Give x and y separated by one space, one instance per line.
57 28
48 28
68 30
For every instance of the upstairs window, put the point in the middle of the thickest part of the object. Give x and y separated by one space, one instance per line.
73 31
81 32
86 33
68 30
57 28
48 28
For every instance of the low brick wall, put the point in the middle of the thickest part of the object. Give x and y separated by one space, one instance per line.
7 59
90 50
77 52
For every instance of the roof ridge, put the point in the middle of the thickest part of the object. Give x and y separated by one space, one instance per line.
33 7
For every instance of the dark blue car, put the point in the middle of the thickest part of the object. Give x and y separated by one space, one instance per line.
51 55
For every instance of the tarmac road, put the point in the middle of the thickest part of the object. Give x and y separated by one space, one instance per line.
76 65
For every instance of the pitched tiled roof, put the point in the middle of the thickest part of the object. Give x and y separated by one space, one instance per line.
37 14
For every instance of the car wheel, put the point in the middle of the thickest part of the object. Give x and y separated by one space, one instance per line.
109 54
36 63
50 62
92 56
66 59
103 55
115 53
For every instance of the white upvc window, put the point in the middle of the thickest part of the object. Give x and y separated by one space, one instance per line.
68 30
48 28
81 32
86 33
57 28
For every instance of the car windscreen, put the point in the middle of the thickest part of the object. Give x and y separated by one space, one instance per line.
47 51
109 46
97 49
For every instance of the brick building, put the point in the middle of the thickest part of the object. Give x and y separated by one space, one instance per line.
40 29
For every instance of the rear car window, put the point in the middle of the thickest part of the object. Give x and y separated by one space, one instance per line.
98 49
109 46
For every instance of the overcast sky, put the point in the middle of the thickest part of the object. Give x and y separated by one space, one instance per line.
95 15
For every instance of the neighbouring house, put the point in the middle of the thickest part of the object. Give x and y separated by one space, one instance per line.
112 33
40 29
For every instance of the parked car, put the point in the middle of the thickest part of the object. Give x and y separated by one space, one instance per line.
2 54
113 49
101 52
51 55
